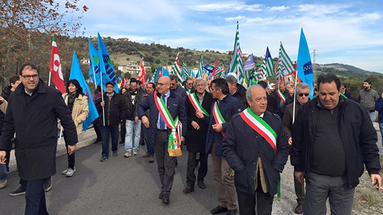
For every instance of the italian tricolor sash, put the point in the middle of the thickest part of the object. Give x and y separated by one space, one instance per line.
280 94
344 96
218 116
197 106
174 144
261 127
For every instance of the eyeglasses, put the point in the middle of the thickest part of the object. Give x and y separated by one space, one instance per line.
30 76
301 94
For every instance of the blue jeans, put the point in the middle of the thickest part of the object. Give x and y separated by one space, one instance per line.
3 172
149 144
105 131
372 116
381 130
131 143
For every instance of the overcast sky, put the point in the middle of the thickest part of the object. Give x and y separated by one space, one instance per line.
349 32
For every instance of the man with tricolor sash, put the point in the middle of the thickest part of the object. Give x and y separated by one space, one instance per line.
256 148
224 107
197 107
167 127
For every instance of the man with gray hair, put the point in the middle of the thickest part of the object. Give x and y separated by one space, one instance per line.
237 90
302 93
255 146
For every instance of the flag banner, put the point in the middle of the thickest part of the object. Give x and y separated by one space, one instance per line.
141 73
249 64
106 63
304 66
186 70
267 65
94 68
164 72
201 69
76 73
55 68
176 70
285 65
236 64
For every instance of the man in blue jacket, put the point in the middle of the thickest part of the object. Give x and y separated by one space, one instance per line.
224 107
256 147
159 131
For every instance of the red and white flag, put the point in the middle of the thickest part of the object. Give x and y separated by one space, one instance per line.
142 74
55 69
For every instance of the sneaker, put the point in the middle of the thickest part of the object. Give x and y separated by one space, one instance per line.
103 159
127 154
3 184
48 184
20 191
65 171
70 172
135 153
115 154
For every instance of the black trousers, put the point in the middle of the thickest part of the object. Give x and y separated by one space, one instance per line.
123 131
97 130
35 198
192 164
260 201
71 158
166 164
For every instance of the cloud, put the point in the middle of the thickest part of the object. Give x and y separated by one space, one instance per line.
227 7
247 20
321 9
279 8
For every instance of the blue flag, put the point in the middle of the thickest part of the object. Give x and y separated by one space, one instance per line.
106 64
165 72
75 73
94 69
304 66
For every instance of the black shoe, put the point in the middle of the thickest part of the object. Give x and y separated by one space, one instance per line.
218 210
20 191
201 185
165 199
122 142
103 159
231 212
115 154
188 189
161 195
48 184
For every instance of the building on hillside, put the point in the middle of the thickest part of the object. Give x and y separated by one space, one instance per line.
132 69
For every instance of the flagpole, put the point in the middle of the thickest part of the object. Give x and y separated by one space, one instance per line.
49 78
295 93
94 75
102 99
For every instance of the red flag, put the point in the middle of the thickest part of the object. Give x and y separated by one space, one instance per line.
141 74
55 69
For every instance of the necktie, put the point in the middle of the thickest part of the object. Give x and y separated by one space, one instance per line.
162 122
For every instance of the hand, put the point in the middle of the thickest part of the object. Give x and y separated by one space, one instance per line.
136 119
290 141
299 176
182 139
102 104
217 127
1 100
195 125
71 149
199 114
382 95
376 180
145 121
3 158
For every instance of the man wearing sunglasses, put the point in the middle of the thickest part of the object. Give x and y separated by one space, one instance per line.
302 92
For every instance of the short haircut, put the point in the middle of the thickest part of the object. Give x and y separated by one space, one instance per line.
231 79
109 83
263 84
221 83
173 77
344 85
28 65
153 85
198 80
75 83
368 81
189 79
248 91
133 80
328 78
14 79
301 86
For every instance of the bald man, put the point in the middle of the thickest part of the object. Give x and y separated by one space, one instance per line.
256 147
159 130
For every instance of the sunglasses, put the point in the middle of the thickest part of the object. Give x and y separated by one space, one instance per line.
301 94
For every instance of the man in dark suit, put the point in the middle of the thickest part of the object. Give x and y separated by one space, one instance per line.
160 131
197 103
222 110
255 146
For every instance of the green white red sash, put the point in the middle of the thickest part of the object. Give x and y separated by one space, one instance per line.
197 106
218 116
261 127
174 143
344 96
280 94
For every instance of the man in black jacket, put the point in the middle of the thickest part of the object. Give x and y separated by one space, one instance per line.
133 124
196 133
255 146
112 111
32 114
332 138
237 90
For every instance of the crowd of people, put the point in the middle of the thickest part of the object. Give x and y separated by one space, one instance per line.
249 133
